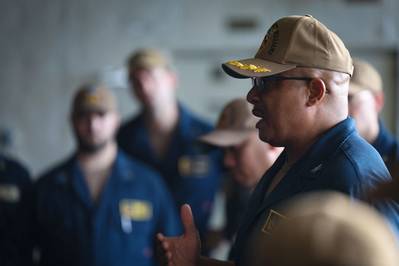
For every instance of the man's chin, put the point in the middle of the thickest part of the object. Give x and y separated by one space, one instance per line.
90 148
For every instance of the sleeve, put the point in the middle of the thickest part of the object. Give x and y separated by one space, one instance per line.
20 231
26 222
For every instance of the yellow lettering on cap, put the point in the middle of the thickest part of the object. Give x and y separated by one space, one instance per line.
235 63
251 67
262 69
136 210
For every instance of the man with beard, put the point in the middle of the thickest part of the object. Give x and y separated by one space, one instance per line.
100 207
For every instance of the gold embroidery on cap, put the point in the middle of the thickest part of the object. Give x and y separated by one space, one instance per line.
250 67
272 219
92 99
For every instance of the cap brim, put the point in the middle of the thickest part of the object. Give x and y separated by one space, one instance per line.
225 138
254 68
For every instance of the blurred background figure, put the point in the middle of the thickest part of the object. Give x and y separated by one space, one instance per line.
246 157
366 100
164 135
15 211
99 207
328 228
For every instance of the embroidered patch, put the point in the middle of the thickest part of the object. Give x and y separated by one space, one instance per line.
135 210
9 193
196 166
272 220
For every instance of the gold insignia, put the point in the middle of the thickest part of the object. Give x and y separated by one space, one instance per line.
249 67
92 99
136 210
272 219
184 165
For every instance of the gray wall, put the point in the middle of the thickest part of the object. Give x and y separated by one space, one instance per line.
49 48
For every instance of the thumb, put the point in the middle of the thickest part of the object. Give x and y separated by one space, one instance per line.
187 220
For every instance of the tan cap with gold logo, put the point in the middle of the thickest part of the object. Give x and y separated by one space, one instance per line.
294 41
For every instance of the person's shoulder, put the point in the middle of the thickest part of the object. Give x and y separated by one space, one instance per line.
14 166
128 125
357 163
362 153
50 176
14 172
140 170
197 124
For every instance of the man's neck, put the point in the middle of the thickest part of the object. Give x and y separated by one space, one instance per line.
163 118
296 149
96 168
161 124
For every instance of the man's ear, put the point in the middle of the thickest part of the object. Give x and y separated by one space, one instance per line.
317 91
379 100
117 119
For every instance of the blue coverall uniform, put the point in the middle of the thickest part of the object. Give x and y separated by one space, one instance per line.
340 160
15 213
191 170
118 230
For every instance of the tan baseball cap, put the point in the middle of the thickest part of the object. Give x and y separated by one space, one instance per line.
90 98
365 77
235 123
147 58
329 228
294 41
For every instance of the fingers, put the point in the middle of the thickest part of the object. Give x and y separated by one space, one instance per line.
163 242
162 253
187 220
160 237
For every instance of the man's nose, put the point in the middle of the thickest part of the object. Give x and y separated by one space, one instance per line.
252 95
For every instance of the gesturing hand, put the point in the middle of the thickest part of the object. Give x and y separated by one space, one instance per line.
183 250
